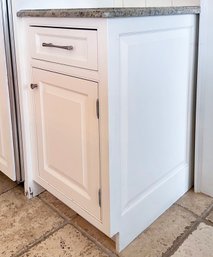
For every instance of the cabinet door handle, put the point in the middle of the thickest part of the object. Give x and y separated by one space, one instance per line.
34 86
57 46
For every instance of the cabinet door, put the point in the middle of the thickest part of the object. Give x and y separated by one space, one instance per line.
7 165
68 137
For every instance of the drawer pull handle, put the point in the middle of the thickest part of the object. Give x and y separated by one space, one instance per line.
57 46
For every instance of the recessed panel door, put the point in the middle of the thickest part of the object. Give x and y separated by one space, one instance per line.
68 137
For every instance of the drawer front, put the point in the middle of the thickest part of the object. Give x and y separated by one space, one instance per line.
74 47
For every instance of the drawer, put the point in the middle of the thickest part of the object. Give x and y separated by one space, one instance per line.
74 47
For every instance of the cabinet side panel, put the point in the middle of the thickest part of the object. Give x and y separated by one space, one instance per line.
156 84
154 110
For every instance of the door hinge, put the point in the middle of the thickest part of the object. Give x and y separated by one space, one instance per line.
97 108
99 197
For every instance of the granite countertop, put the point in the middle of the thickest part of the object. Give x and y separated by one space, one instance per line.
109 12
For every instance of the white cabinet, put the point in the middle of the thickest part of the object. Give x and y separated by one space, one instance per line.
68 137
122 170
7 165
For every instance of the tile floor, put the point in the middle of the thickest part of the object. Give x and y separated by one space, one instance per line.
45 227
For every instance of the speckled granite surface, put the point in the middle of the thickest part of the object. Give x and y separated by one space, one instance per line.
110 12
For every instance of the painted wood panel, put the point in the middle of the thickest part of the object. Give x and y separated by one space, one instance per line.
7 165
68 137
83 49
154 109
151 110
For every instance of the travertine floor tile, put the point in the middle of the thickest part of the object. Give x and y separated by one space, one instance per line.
58 205
198 244
23 221
5 183
210 218
161 234
195 202
67 242
95 233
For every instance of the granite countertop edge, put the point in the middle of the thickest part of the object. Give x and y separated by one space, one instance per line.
109 12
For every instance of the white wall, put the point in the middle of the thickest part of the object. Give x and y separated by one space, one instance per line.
149 3
62 3
204 128
99 3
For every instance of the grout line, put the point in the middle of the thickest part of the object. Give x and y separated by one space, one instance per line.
95 241
176 244
71 222
39 240
207 211
203 214
170 251
208 222
180 239
188 210
57 211
8 190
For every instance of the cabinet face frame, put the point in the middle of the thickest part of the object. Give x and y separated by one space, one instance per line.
27 109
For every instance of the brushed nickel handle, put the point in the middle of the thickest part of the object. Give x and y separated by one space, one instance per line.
34 86
57 46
